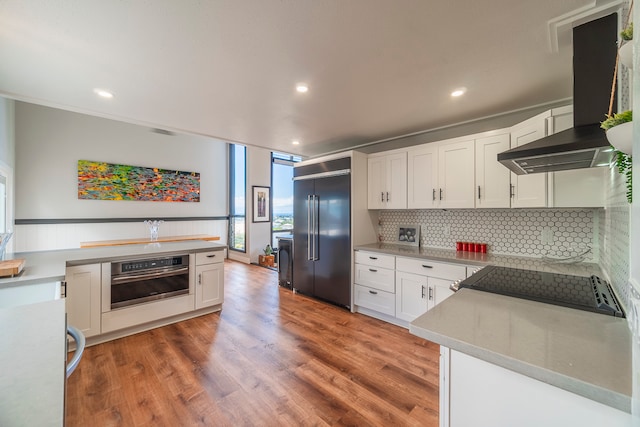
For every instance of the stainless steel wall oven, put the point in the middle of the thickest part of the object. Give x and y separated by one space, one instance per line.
144 280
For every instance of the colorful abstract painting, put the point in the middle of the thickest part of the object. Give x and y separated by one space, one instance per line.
106 181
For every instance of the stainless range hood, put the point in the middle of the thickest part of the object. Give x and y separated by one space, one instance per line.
585 145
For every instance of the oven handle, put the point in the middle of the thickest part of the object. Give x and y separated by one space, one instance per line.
118 280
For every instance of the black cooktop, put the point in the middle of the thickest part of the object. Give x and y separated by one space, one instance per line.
582 293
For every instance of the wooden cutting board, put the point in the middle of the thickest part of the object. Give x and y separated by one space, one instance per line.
11 267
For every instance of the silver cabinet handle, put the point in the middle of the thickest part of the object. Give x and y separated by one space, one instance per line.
427 266
373 257
199 278
441 194
478 192
373 292
387 196
316 225
78 337
422 292
434 194
308 227
512 192
211 256
430 293
382 196
373 270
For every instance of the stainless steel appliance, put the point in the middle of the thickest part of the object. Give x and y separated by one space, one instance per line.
285 261
144 280
321 233
582 293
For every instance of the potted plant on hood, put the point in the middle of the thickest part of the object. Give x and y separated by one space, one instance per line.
626 49
619 129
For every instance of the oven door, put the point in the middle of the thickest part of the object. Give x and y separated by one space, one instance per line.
140 287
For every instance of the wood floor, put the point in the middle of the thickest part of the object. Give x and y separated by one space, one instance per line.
270 358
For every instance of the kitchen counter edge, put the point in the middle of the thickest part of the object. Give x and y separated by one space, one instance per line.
44 266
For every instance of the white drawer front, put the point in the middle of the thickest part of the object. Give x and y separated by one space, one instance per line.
376 259
431 269
375 277
375 299
210 257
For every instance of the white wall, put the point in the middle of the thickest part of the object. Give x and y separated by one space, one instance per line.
49 143
7 158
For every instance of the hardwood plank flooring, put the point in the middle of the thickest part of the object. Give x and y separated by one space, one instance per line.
269 358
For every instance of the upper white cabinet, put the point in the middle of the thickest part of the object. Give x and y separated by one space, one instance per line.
455 174
529 191
492 178
387 181
440 175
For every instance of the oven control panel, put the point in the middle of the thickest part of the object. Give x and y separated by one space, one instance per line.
152 264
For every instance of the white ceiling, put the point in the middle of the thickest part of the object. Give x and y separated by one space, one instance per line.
227 68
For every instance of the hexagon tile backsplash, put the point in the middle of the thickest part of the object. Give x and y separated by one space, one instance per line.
558 233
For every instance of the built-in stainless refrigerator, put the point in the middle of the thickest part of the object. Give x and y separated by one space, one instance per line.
321 231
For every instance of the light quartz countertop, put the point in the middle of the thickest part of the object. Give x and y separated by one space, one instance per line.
50 265
586 353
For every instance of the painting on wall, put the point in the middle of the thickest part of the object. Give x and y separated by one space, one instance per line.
261 204
107 181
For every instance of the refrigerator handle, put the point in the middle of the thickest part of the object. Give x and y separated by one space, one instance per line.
309 227
316 227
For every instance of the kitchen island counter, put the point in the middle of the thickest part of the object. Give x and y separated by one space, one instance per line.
46 266
585 353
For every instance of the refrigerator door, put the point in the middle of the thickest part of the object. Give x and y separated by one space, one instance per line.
302 236
333 243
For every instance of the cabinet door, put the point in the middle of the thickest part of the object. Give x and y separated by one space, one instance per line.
209 285
376 182
456 164
396 191
411 295
529 191
492 178
422 177
83 298
438 290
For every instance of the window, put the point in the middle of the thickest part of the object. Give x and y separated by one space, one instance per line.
281 195
237 197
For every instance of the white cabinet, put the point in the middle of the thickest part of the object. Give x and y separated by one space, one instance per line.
477 393
422 177
387 181
209 286
529 191
374 287
83 298
440 175
492 178
455 174
422 284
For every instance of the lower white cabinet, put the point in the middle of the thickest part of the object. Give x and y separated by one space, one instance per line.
83 293
209 287
478 393
401 288
422 284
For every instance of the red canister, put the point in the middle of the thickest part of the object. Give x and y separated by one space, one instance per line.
483 248
465 246
477 247
458 246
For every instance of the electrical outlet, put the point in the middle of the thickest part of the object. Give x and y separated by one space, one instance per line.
546 236
447 230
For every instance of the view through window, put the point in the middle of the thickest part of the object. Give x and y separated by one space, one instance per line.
237 195
282 195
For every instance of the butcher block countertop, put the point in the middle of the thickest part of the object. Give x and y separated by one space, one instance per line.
120 242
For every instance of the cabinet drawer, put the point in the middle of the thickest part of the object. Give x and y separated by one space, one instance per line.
375 277
431 269
376 259
210 257
375 299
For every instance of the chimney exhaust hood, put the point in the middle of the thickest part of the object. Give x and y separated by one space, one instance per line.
585 145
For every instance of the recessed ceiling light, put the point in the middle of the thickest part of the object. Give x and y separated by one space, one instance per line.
295 142
103 93
302 87
459 92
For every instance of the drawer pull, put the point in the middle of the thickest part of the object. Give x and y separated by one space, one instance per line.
373 270
373 292
373 257
211 256
427 266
